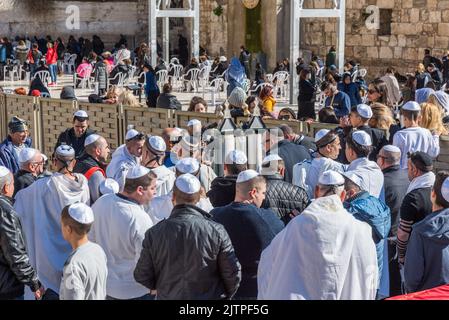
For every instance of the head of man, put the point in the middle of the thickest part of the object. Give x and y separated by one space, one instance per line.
353 184
288 132
250 188
419 163
97 147
80 123
360 115
18 131
134 142
64 159
272 138
235 162
411 113
358 145
389 156
273 165
330 183
140 185
153 152
328 143
6 182
171 137
76 221
32 161
440 192
328 88
187 166
186 190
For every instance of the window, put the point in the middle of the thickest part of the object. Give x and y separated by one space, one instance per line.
385 16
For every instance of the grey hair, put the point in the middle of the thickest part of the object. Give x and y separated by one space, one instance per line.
331 190
6 180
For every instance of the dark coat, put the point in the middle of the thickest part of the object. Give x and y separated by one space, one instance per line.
68 137
8 156
283 197
22 180
291 154
305 141
15 268
306 99
222 191
352 90
168 101
427 259
101 75
251 230
377 137
188 257
395 185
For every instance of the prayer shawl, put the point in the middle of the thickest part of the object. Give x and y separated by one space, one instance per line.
371 175
39 207
121 162
427 180
322 254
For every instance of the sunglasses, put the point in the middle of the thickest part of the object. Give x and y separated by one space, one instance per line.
372 91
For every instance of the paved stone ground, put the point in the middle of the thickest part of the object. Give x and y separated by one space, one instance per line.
82 94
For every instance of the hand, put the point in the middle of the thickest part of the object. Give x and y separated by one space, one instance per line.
39 293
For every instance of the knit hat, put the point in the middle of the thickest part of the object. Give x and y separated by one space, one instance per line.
17 125
237 97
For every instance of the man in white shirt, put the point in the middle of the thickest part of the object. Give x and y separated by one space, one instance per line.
125 157
339 261
119 228
414 138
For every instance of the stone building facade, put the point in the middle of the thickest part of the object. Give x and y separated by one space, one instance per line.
408 27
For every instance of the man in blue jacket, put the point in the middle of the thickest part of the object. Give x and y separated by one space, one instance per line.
16 141
250 228
371 210
427 258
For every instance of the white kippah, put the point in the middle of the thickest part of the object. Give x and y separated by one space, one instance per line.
320 134
137 172
4 171
271 157
362 138
108 186
81 213
26 154
91 139
411 106
81 114
445 189
331 178
237 157
193 122
364 111
188 184
65 150
391 148
247 176
351 175
157 143
188 165
131 134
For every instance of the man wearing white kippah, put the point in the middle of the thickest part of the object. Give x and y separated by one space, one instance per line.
126 156
76 135
426 262
323 254
414 138
39 207
16 270
119 228
31 165
188 256
250 228
92 163
358 148
85 271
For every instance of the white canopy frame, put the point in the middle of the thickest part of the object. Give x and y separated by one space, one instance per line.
297 12
161 9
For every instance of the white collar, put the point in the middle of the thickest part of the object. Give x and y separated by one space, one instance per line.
425 181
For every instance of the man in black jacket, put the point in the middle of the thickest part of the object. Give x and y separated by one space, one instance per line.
395 186
359 117
15 268
291 153
250 228
76 136
222 189
298 139
31 164
92 163
188 256
166 100
282 197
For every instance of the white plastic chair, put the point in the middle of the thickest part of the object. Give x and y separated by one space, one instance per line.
194 79
204 77
162 76
176 78
85 82
269 77
214 88
247 85
260 86
44 76
362 73
120 77
69 63
281 82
